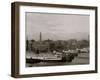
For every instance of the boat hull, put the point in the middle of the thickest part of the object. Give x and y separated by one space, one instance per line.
41 60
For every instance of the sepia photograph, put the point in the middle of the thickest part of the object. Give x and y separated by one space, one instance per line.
54 39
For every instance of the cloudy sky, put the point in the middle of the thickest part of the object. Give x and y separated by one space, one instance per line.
57 26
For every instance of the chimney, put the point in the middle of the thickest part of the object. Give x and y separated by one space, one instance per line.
40 37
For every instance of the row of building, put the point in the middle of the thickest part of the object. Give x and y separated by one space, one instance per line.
59 45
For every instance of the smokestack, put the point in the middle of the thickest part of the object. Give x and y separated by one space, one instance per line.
40 36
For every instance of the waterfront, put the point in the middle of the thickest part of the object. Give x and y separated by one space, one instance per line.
54 39
81 59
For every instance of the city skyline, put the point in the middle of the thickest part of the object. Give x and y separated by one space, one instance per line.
40 38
